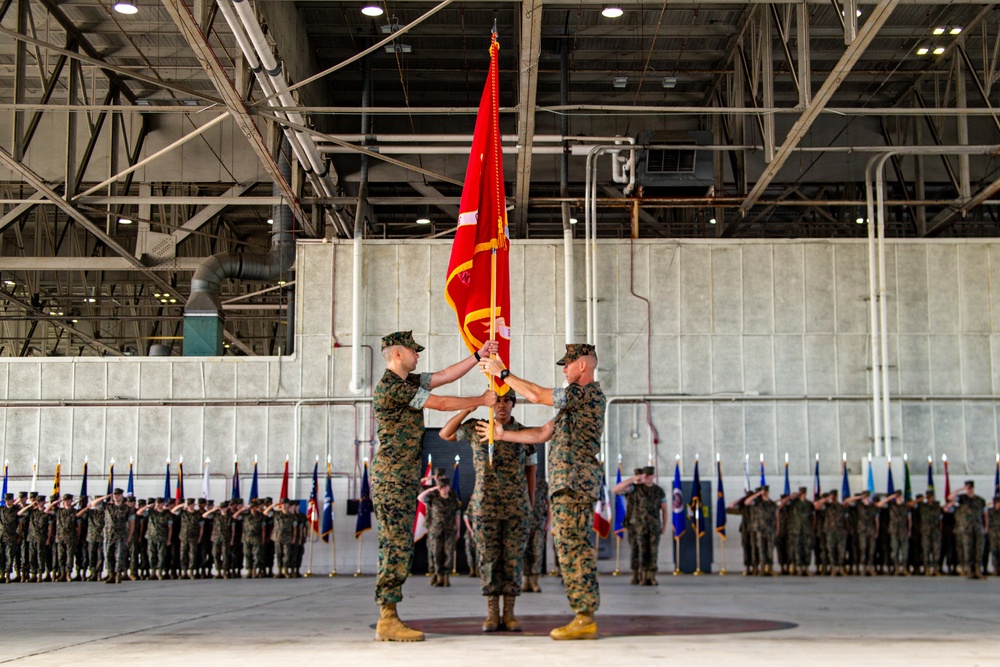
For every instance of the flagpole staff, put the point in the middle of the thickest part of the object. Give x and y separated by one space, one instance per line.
723 571
358 572
333 543
677 555
697 537
618 554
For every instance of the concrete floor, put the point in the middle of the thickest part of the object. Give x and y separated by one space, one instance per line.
322 620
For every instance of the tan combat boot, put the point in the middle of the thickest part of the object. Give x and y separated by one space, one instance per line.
510 621
446 580
535 588
526 584
492 622
390 629
583 626
651 578
434 580
635 578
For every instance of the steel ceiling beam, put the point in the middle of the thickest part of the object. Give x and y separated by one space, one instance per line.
879 15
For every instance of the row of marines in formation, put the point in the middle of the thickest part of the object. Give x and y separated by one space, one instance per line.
114 537
867 535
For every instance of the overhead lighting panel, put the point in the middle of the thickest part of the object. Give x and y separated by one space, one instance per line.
372 10
612 12
126 8
669 81
620 81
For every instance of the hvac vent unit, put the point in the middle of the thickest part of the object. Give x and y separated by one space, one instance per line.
663 166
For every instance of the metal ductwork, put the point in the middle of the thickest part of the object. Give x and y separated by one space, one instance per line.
203 315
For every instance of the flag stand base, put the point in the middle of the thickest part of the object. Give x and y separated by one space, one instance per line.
356 574
677 572
308 573
332 574
616 572
697 572
723 572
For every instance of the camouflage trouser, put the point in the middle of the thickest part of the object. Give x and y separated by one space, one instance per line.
500 544
65 554
819 548
798 548
395 509
10 554
470 549
115 554
159 554
95 556
284 552
441 549
930 544
133 555
221 554
236 556
35 563
572 521
534 550
267 555
972 538
746 541
866 548
252 553
189 554
995 549
765 547
647 540
836 548
899 549
633 549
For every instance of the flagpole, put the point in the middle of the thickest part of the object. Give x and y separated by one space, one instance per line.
618 554
677 555
494 106
697 537
358 572
312 544
723 571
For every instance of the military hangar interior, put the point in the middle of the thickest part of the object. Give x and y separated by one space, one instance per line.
776 220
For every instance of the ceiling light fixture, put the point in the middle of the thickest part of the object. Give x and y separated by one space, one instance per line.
860 221
124 221
620 81
573 221
126 8
939 50
270 221
957 30
938 31
423 220
711 221
372 10
612 12
8 281
90 299
669 81
923 51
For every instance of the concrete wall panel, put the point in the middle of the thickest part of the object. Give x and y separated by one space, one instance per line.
24 380
155 379
123 379
758 289
727 295
789 289
912 295
821 306
696 289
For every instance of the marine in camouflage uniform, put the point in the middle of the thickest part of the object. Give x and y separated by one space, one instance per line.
633 541
399 400
94 514
222 539
764 524
190 536
501 503
835 517
10 541
899 532
253 527
66 534
646 517
782 541
931 515
739 507
798 528
993 522
119 523
442 528
574 474
969 529
37 535
469 541
283 535
866 519
159 536
534 550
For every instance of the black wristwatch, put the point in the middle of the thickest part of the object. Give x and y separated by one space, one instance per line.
504 373
476 355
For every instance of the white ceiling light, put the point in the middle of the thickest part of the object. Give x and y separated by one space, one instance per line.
923 51
939 50
372 10
620 81
423 221
860 221
711 221
124 221
126 8
938 31
270 221
573 221
612 12
669 81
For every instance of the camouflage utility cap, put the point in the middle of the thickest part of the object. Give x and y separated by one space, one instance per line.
576 350
404 338
649 470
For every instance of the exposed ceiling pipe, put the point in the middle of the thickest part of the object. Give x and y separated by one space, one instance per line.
243 23
358 382
207 279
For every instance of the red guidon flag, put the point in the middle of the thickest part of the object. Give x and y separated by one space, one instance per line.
478 273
